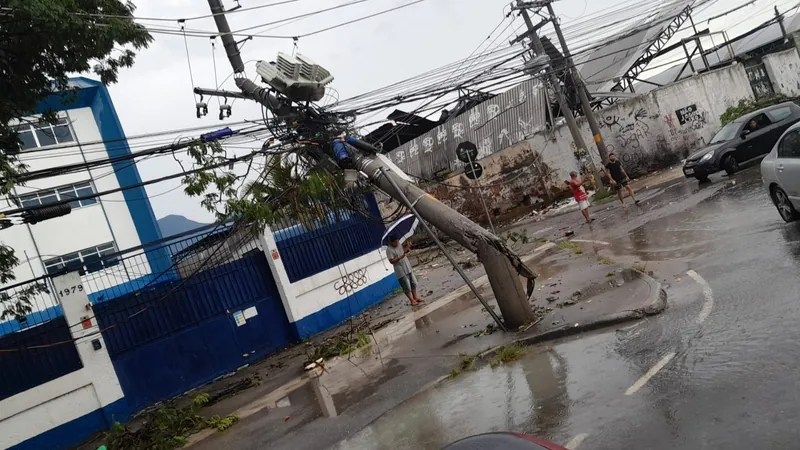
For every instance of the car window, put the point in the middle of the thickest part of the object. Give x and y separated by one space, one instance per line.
756 123
790 145
727 133
779 114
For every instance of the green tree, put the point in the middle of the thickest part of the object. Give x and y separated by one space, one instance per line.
284 185
42 43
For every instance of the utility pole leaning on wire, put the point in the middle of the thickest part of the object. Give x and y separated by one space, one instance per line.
290 100
569 67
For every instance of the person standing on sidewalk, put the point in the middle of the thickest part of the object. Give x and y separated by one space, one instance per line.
576 184
619 179
402 268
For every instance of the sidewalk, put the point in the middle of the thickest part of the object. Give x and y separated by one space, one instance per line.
423 347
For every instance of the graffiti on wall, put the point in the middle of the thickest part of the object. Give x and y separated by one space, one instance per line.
351 281
493 125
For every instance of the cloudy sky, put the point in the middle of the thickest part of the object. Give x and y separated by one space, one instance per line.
156 94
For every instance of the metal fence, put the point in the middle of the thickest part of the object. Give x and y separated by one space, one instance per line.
35 356
492 126
322 236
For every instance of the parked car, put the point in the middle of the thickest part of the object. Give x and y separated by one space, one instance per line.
780 172
742 140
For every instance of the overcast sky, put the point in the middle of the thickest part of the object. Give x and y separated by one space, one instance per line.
156 94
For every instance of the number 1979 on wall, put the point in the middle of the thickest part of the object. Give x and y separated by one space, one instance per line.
70 290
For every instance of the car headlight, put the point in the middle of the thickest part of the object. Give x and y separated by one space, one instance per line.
707 157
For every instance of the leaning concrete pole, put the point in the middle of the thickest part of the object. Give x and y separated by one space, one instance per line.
503 266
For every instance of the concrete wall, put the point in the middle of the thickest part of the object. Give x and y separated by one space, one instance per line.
319 302
647 133
67 410
784 72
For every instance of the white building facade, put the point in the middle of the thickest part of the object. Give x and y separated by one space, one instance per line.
88 130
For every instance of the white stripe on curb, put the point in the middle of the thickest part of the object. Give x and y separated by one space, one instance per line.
589 241
650 374
707 293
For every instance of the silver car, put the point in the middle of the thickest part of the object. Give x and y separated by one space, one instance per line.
780 172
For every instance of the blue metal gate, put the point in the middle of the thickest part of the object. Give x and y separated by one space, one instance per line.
185 332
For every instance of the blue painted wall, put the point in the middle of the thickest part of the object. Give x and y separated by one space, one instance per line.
78 430
339 312
94 95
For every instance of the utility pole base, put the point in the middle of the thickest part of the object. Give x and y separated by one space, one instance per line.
506 285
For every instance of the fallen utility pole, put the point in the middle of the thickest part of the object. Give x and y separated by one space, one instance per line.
441 246
503 266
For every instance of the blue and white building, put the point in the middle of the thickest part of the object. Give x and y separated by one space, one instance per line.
88 129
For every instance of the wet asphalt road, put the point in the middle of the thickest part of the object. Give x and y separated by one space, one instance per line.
718 369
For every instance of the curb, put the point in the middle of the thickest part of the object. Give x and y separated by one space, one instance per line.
655 304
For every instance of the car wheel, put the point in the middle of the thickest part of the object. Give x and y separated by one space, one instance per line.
784 205
730 165
702 178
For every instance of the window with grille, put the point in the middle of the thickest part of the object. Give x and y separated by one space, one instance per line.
90 260
49 196
42 134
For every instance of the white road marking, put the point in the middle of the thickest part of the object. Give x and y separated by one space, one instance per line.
707 293
650 374
576 441
588 241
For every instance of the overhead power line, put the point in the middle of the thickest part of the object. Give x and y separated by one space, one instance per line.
207 34
186 19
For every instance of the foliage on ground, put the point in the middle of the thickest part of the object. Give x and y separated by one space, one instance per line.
569 245
507 353
344 343
466 362
746 106
605 261
516 238
640 267
167 427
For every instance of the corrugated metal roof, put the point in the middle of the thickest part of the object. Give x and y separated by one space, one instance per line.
760 38
600 67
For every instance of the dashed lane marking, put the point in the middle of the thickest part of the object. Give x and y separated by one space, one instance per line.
650 374
576 441
707 293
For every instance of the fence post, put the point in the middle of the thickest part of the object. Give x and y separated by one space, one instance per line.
279 274
91 347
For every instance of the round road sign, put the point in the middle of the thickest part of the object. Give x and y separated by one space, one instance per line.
473 171
466 152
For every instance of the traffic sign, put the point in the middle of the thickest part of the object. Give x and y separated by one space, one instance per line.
473 170
467 152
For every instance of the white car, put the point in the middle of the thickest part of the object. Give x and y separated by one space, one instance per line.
780 172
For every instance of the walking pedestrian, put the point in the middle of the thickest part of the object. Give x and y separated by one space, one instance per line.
397 255
619 179
578 191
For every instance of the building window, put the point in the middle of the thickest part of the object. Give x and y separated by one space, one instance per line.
50 196
90 260
43 134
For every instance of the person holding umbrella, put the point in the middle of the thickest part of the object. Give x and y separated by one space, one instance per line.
396 253
397 244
